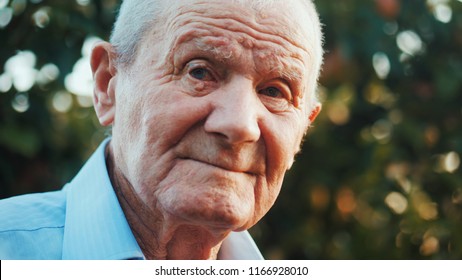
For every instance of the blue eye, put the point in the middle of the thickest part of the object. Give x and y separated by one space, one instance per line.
272 92
200 74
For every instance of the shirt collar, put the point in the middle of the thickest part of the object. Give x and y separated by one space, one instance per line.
96 227
239 246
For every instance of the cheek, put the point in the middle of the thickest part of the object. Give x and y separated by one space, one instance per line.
282 138
169 115
282 141
148 132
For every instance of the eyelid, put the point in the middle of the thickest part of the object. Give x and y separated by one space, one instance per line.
201 63
283 87
193 64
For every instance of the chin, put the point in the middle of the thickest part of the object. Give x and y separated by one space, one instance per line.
216 211
201 195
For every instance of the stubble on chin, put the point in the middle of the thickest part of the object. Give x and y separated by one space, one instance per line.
206 195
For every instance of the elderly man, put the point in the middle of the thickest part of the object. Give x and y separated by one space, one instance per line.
208 103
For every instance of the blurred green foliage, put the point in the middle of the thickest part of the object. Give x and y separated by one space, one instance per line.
379 176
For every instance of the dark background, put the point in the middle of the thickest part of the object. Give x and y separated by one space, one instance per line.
379 176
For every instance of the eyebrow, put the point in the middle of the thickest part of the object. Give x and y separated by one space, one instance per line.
208 46
292 73
280 63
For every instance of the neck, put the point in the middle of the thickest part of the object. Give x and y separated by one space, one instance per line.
159 235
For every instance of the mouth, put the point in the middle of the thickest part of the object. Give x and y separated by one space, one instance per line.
223 167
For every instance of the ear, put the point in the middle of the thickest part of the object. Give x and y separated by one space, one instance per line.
315 112
104 73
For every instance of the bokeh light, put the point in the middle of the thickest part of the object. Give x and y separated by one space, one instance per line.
41 17
47 74
20 102
381 64
6 14
62 101
3 3
18 6
409 42
397 202
21 69
441 10
6 82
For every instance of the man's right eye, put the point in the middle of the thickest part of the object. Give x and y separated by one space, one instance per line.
201 74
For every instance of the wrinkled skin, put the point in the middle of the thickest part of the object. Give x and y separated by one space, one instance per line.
206 121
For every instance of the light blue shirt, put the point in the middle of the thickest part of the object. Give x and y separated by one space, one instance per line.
83 221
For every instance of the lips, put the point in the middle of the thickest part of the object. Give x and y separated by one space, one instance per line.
225 165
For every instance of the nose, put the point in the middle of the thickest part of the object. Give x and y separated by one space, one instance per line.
235 113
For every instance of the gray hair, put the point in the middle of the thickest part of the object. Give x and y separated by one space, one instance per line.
135 17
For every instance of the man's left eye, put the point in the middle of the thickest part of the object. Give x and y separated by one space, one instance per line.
271 92
200 74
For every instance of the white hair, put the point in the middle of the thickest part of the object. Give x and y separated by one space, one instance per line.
135 17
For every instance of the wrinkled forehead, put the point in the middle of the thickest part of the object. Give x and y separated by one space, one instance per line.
289 19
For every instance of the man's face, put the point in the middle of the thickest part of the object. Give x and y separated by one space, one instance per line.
211 113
